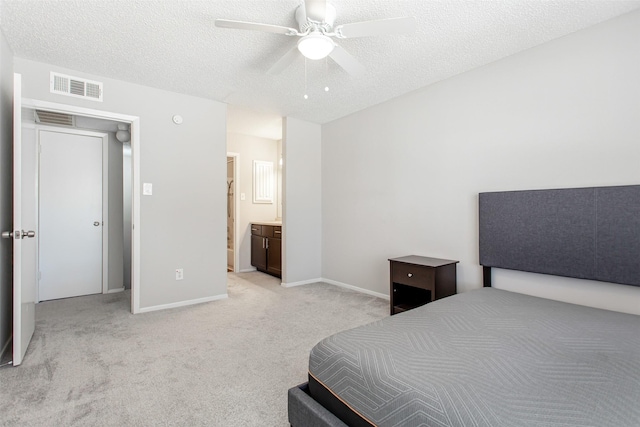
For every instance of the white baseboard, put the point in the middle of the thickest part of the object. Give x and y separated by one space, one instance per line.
355 288
302 282
248 270
113 291
183 303
335 283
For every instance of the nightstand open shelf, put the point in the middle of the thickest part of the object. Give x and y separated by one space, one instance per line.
407 297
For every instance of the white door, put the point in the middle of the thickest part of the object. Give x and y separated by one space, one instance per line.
70 215
24 247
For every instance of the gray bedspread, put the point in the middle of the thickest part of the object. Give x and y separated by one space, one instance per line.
488 358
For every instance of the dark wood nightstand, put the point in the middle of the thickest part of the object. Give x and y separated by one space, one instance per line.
417 280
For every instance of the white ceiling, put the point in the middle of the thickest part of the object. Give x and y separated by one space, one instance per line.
174 45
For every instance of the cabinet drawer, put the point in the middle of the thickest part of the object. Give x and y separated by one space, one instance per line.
413 275
256 229
267 230
277 232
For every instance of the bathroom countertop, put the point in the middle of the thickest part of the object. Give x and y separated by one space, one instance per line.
267 222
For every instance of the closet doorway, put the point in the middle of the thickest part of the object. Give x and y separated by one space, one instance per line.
126 205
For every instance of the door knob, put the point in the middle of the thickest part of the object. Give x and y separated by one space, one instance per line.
96 223
18 234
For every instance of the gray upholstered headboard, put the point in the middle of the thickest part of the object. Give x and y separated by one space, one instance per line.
588 233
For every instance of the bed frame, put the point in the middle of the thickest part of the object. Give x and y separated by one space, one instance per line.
587 233
304 411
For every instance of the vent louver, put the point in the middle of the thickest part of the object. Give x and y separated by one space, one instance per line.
76 87
51 118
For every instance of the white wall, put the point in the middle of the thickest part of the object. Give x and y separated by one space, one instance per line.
302 219
182 223
251 148
279 183
6 173
403 177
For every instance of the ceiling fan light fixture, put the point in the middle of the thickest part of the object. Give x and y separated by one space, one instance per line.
315 45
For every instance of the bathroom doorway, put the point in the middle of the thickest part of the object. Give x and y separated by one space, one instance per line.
232 209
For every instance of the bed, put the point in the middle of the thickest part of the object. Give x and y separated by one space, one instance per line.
495 358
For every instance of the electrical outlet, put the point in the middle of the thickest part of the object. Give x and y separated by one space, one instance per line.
179 274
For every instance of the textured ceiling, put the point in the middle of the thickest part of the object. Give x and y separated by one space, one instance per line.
174 45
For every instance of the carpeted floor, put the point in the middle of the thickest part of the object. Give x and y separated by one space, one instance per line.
224 363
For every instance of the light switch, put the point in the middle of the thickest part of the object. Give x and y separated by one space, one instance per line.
147 189
242 196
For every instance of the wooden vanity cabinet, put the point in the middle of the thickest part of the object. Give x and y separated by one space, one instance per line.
258 252
274 257
266 248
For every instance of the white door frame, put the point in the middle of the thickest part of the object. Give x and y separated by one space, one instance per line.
105 198
135 173
236 212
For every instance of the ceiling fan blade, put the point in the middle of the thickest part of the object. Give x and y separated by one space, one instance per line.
241 25
316 10
347 61
284 62
376 28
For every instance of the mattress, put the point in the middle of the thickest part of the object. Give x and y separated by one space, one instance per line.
484 358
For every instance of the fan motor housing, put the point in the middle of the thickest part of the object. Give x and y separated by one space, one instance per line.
326 24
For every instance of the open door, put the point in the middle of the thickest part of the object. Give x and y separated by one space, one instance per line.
24 251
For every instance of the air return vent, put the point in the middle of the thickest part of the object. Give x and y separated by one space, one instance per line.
51 118
76 87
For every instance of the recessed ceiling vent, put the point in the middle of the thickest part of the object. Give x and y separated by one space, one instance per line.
76 87
51 118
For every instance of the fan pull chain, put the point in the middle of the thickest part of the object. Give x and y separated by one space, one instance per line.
305 79
326 72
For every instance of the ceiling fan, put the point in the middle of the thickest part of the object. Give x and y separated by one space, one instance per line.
316 31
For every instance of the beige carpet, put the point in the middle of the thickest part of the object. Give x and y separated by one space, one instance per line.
224 363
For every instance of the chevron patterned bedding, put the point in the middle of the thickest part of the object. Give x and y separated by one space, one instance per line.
488 358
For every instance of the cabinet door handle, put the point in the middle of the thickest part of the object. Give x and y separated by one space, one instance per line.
409 274
267 243
263 243
278 232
